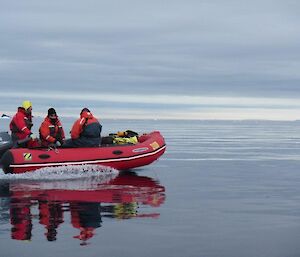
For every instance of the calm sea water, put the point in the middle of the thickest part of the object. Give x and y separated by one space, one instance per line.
221 189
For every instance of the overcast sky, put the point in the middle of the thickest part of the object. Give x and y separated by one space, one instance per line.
198 59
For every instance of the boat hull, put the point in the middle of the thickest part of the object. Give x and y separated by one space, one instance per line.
122 157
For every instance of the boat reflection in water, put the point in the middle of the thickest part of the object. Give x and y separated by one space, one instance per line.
87 205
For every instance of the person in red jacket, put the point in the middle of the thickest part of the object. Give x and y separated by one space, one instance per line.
51 130
86 131
21 125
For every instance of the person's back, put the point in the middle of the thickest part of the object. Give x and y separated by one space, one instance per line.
86 131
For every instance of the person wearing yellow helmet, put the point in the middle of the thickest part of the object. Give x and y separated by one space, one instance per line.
21 125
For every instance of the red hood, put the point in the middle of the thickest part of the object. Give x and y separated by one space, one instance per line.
86 115
27 114
21 109
49 120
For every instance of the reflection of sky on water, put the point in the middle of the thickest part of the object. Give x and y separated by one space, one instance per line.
232 189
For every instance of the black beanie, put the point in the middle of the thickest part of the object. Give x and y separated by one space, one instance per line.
84 110
51 111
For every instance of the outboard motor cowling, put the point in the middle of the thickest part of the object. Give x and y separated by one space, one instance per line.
5 142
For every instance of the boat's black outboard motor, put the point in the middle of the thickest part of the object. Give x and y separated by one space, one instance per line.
5 142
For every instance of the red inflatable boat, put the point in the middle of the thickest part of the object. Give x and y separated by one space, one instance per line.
122 157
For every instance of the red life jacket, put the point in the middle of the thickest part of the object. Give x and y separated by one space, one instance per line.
21 124
49 132
81 126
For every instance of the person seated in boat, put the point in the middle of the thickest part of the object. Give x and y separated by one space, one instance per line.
86 131
51 130
20 127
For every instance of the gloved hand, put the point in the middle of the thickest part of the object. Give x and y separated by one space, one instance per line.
30 125
33 137
57 143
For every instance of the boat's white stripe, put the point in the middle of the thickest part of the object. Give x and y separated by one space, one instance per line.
87 162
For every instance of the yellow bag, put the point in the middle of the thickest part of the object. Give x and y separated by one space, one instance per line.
125 140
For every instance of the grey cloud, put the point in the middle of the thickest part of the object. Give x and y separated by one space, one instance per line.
191 47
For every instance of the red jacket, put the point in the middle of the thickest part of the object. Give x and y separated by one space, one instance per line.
83 124
21 124
50 133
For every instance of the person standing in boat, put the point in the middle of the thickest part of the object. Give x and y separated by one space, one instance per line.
51 130
86 131
21 125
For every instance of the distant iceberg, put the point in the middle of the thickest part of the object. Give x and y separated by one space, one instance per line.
4 116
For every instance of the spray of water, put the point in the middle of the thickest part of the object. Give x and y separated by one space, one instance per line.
86 173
